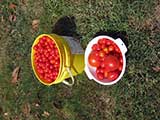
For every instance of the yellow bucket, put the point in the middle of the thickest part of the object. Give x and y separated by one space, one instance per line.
70 64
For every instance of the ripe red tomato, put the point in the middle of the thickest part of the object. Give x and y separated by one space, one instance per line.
120 67
111 63
121 60
103 46
117 49
98 70
94 47
98 47
102 41
100 76
93 60
35 47
102 64
111 48
112 75
108 42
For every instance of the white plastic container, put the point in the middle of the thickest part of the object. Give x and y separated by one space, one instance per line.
91 71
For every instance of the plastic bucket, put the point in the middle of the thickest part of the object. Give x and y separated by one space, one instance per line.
91 72
70 64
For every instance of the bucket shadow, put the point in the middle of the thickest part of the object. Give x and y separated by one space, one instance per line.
66 26
115 35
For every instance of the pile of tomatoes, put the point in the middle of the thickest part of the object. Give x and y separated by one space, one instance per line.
46 59
106 57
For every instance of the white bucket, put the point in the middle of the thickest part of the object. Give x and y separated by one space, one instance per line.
91 71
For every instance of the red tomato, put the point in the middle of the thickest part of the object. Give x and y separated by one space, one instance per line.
98 70
103 64
94 47
93 60
108 42
110 48
48 80
35 47
100 76
101 53
51 67
111 63
101 41
117 49
120 67
112 75
103 46
102 59
98 47
51 45
49 49
52 61
121 60
40 71
49 40
44 38
102 70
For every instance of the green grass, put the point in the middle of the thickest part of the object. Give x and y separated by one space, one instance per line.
135 97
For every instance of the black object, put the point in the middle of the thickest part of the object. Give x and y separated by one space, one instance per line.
66 26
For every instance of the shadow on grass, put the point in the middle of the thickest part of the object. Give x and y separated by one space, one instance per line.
66 26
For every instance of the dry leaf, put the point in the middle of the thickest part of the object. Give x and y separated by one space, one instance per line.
35 24
12 6
15 75
156 69
26 109
46 114
12 18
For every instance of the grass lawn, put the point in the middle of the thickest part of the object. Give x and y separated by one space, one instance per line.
135 97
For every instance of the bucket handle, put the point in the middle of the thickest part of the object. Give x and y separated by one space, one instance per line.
72 78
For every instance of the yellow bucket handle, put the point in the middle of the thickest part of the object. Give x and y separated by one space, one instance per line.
72 78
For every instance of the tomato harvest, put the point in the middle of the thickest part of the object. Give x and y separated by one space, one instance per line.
46 59
106 57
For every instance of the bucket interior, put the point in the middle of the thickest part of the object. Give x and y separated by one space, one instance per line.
61 54
92 70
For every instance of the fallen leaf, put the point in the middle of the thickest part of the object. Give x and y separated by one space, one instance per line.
15 75
35 24
12 6
156 69
26 109
46 114
12 18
